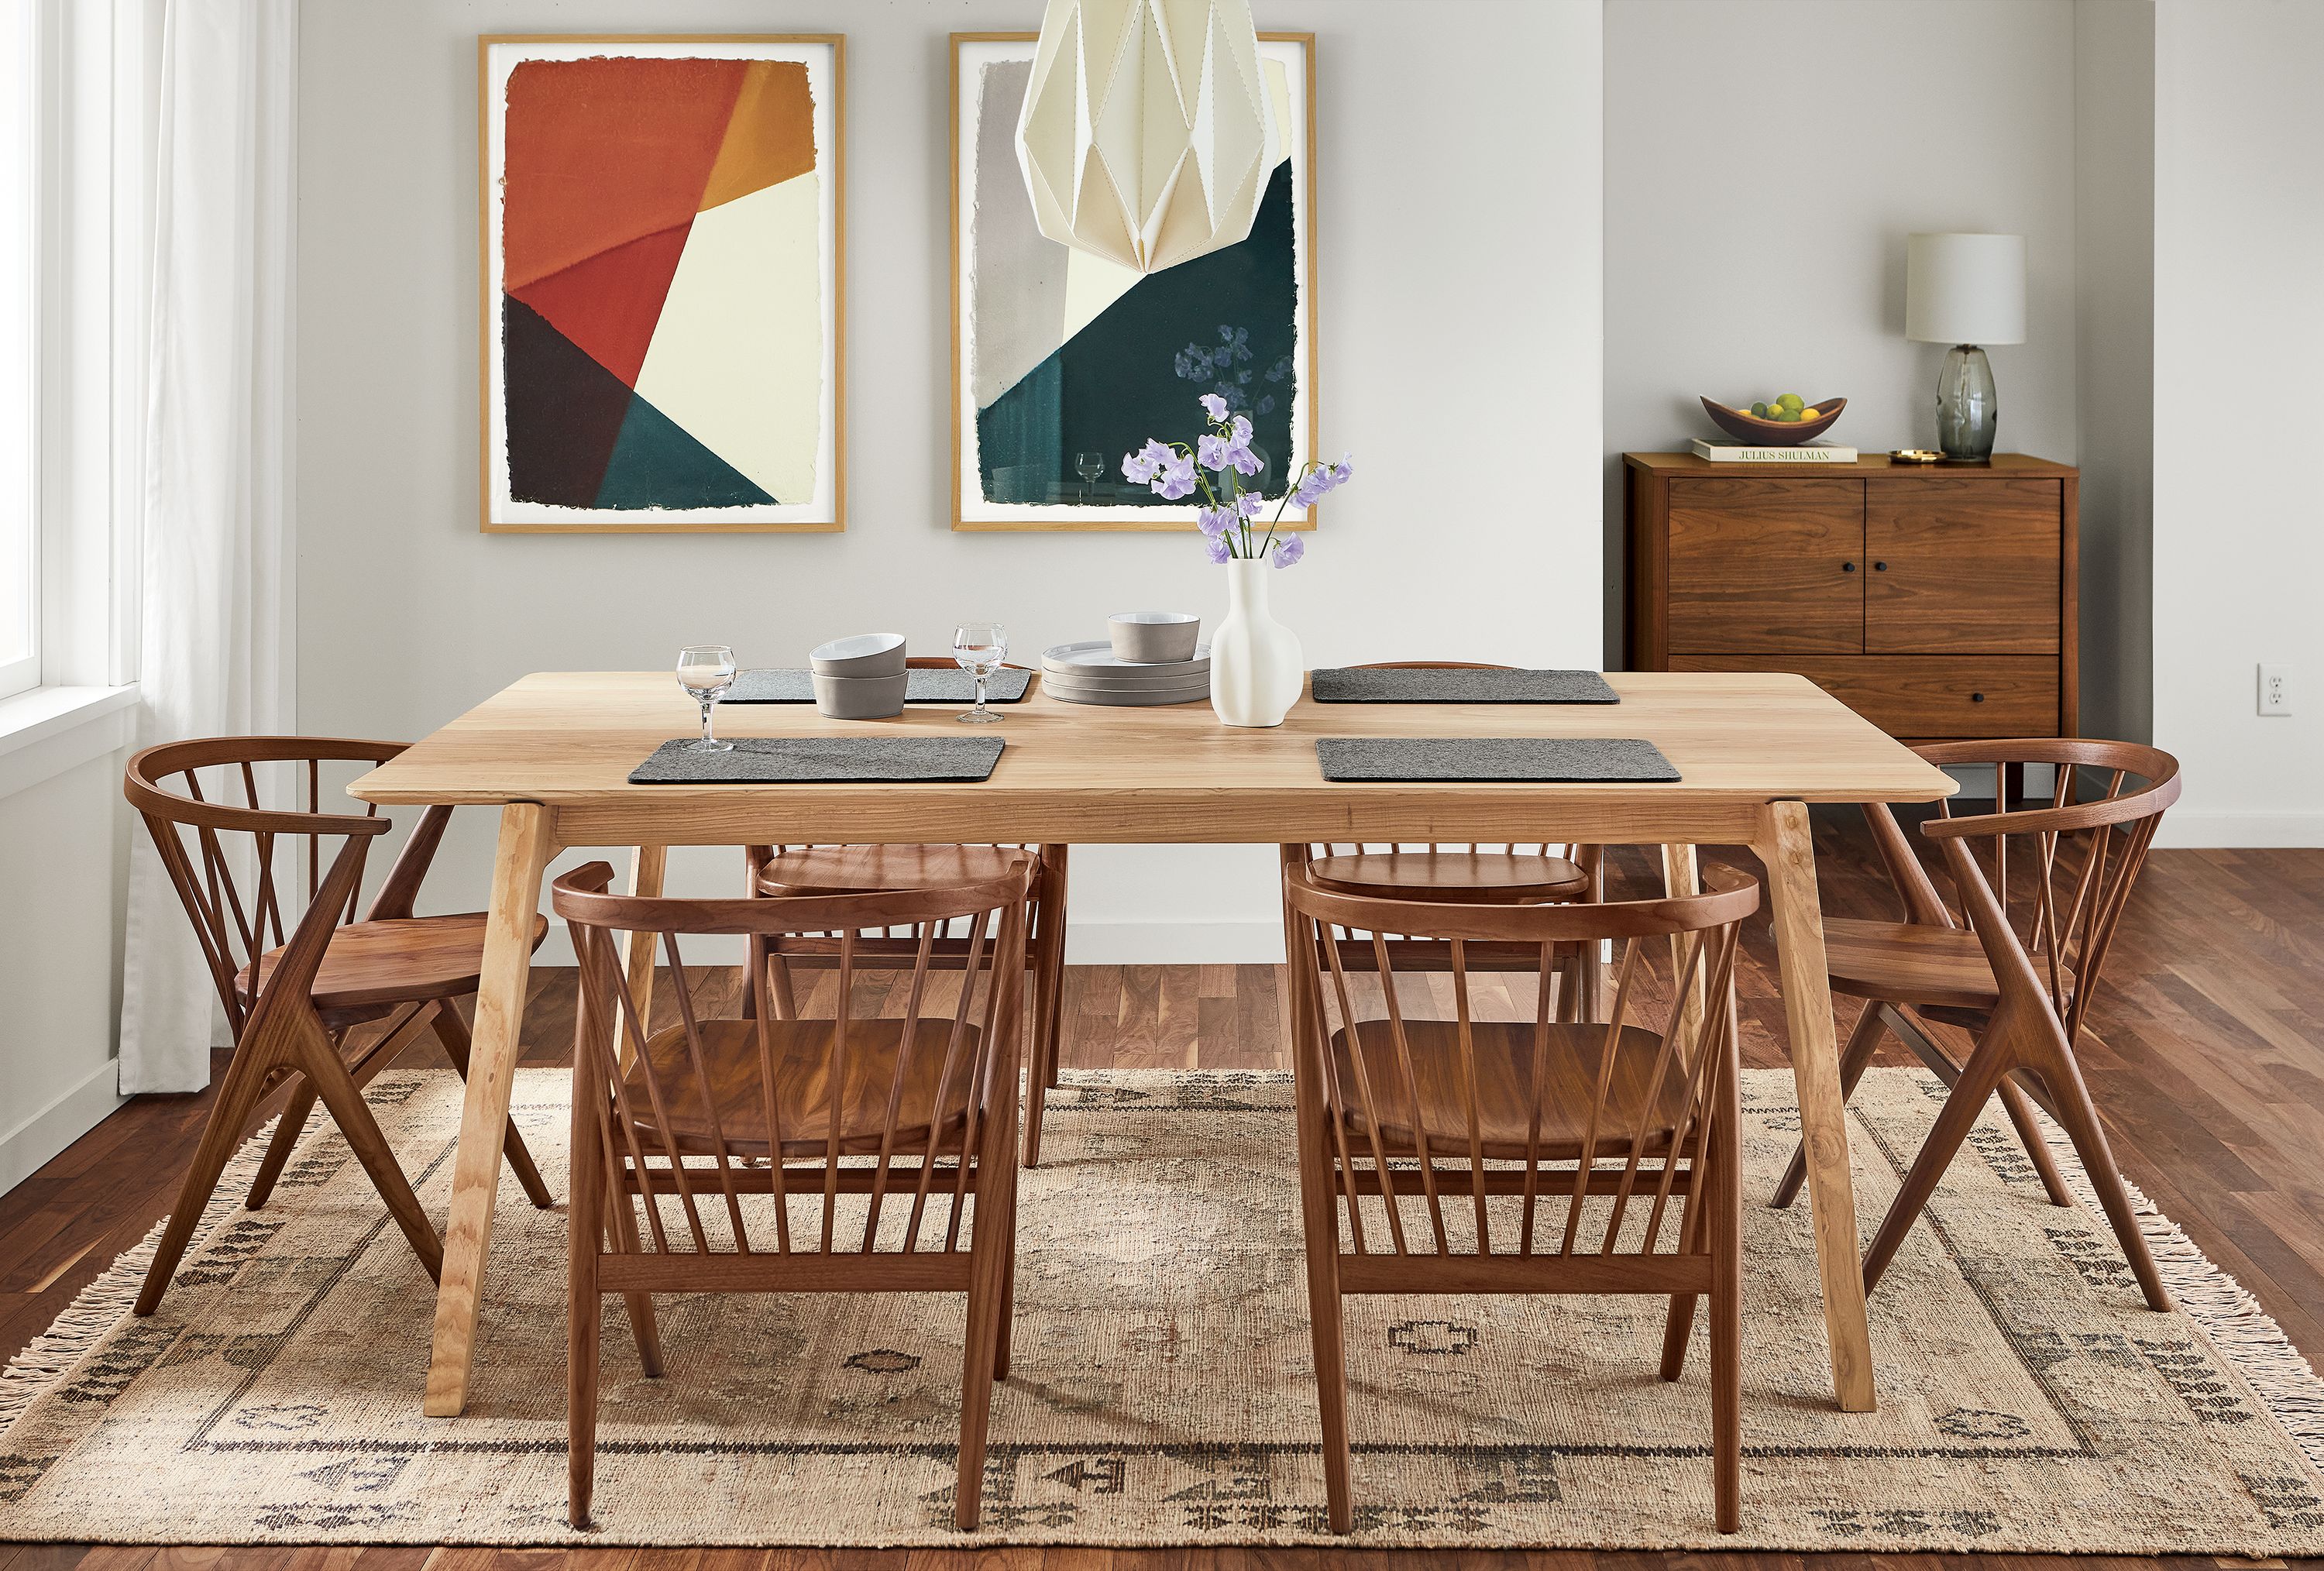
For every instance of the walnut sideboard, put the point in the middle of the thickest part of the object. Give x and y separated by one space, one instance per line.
1937 601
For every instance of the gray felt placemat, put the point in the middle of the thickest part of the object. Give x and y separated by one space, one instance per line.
1360 685
1492 758
922 685
821 761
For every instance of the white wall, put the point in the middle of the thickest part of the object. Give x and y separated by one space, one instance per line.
2238 329
1459 296
2114 342
64 858
1765 161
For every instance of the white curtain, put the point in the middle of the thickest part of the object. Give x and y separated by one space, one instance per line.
216 629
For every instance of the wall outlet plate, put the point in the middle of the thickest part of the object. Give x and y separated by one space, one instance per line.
2274 689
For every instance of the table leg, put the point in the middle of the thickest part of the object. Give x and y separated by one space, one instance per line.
1788 851
646 866
517 866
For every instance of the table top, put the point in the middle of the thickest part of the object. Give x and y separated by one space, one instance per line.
1084 774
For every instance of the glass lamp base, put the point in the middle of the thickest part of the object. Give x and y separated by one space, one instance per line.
1967 414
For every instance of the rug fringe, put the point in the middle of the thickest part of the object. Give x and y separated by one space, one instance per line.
2231 1318
98 1308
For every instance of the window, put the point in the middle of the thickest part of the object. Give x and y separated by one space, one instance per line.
19 652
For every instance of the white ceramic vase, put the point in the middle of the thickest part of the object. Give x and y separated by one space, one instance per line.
1256 666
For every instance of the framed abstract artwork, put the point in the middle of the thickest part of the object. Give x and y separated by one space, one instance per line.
1064 361
662 257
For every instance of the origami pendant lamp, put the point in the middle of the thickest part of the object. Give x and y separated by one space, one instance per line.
1144 132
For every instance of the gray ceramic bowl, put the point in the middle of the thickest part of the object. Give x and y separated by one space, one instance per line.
864 654
860 698
1152 637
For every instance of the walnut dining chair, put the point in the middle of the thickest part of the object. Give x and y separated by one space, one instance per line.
2021 985
1509 875
786 871
1480 1155
729 1155
294 1000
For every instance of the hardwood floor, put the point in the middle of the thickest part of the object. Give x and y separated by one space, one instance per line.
2209 1072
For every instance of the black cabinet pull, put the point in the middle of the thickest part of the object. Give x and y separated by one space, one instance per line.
1847 566
1879 567
1977 697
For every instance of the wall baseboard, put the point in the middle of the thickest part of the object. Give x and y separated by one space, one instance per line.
2183 830
29 1146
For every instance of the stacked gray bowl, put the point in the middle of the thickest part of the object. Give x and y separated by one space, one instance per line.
862 678
1096 673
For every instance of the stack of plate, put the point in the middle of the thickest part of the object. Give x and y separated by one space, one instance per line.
1092 674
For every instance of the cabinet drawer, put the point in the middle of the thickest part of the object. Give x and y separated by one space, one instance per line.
1963 567
1923 696
1766 565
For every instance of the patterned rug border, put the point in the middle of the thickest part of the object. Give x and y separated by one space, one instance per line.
2229 1315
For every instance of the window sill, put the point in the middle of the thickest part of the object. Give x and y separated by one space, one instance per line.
48 730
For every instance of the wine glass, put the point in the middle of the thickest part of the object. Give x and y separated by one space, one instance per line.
979 647
706 670
1089 466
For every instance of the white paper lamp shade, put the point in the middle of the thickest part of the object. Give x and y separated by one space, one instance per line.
1144 132
1965 289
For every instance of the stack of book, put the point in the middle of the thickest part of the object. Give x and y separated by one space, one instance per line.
1722 451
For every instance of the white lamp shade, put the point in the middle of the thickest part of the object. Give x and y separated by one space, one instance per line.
1144 132
1965 289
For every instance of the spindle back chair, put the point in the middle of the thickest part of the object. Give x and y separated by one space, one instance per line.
1476 1145
295 970
730 1155
2017 968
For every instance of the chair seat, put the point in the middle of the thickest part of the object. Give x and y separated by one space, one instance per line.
1447 874
1505 1054
868 869
1911 963
802 1055
403 960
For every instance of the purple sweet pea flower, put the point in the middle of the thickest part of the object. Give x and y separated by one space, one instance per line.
1177 479
1212 452
1248 504
1218 549
1140 466
1215 520
1342 471
1289 550
1215 407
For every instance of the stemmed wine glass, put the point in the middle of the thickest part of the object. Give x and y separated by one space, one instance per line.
1089 466
979 648
706 670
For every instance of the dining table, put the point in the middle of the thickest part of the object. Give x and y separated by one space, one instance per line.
554 751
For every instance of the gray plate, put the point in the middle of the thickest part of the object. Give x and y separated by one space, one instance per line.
1056 679
1130 700
1095 658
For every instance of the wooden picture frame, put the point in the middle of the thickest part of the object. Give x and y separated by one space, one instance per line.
971 508
674 307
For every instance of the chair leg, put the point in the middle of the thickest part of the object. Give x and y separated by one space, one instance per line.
455 1038
991 1262
2029 1134
278 1151
1853 1060
356 1126
1726 1238
1678 1325
238 1093
644 1330
1321 1226
2079 1116
1961 1110
1008 1312
583 1312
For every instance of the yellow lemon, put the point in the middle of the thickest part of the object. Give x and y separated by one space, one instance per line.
1810 412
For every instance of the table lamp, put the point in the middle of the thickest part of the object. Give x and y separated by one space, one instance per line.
1965 289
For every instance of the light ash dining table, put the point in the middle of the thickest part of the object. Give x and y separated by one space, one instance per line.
554 751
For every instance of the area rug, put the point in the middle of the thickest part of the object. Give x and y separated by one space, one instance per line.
1163 1390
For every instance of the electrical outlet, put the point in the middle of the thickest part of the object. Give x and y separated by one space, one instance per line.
2274 689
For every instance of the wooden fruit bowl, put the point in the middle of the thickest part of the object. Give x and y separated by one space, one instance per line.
1774 433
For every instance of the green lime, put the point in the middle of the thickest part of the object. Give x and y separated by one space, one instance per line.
1759 409
1793 400
1788 416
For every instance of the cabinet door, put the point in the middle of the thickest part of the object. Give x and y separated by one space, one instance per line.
1961 567
1767 566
